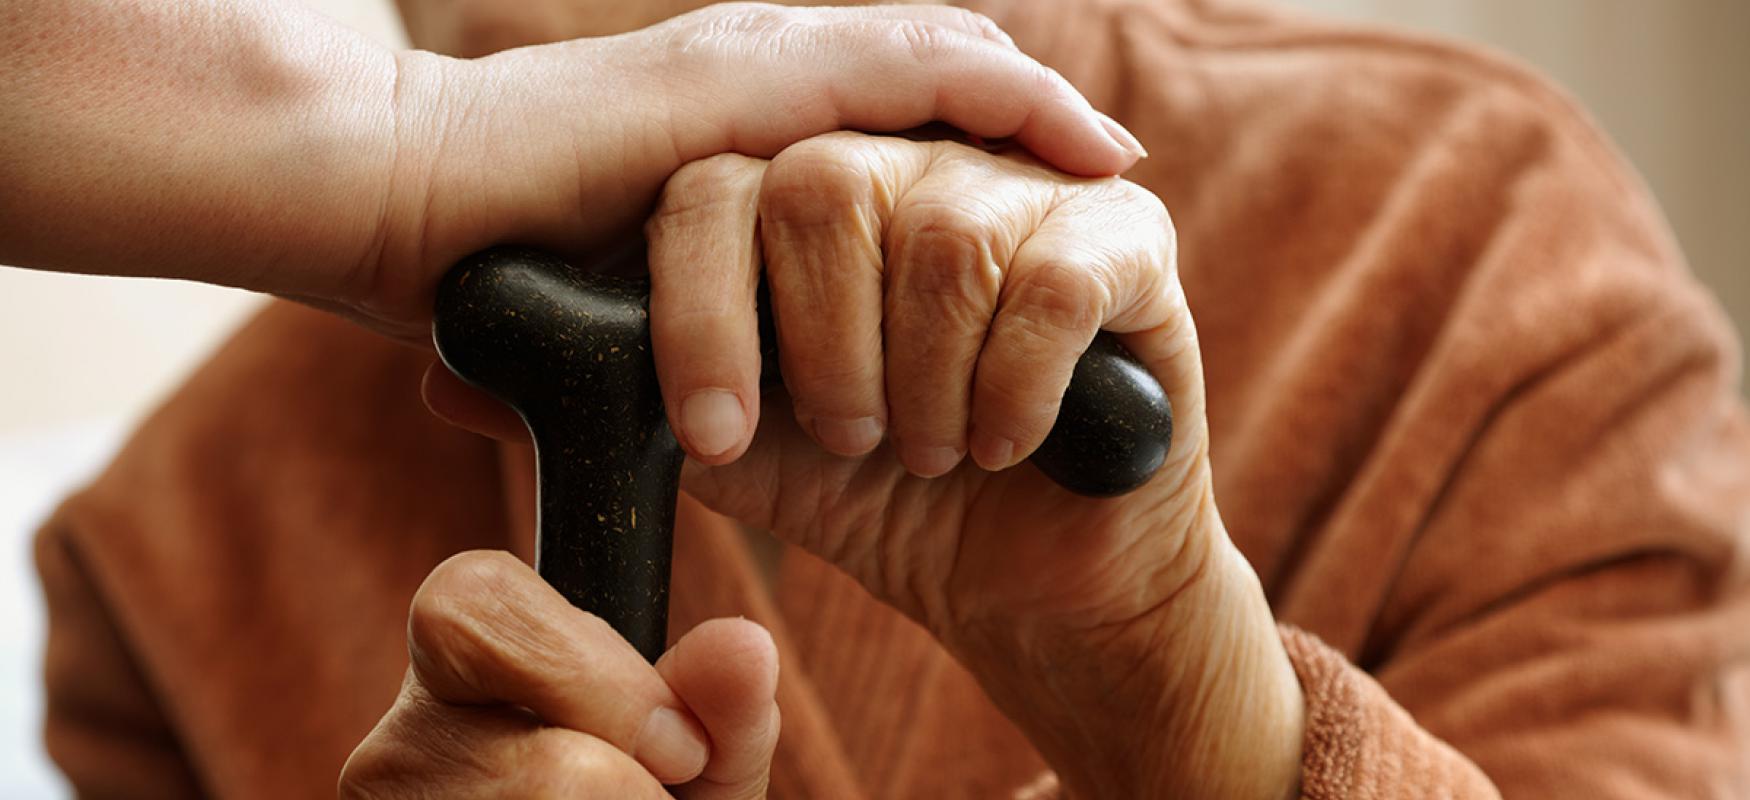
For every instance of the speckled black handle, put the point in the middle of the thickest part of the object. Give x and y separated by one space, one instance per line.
569 349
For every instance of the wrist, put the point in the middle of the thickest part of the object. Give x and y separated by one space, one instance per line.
512 148
1195 699
386 287
1246 739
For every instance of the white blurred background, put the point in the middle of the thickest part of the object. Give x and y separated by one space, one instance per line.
1669 80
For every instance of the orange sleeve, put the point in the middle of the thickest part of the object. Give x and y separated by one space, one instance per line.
1360 743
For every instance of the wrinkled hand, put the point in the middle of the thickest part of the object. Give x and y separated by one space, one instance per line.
513 693
566 144
931 301
941 295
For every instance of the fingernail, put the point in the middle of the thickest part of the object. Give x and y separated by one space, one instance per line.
992 452
671 746
1123 137
713 420
929 462
848 436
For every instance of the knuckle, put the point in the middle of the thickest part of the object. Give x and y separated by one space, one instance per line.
988 28
440 631
364 774
974 21
1167 250
813 180
454 586
1057 298
556 763
447 621
708 176
761 14
923 41
946 261
711 37
1137 195
551 751
975 24
1156 212
385 764
1150 266
1136 203
942 229
466 570
939 231
746 16
705 184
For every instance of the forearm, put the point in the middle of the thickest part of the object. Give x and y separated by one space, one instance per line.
246 143
1193 697
1227 724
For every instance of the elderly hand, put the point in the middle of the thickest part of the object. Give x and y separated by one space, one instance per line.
931 301
514 693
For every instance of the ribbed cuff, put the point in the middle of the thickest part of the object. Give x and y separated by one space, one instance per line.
1361 744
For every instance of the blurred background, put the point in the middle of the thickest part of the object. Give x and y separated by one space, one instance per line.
85 357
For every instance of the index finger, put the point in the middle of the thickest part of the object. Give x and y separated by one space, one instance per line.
704 330
900 70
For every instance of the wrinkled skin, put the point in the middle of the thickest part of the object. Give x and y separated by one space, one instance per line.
963 285
514 694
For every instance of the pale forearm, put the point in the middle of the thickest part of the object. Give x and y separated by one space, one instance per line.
246 143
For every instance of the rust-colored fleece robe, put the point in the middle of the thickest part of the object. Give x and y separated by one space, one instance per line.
1472 423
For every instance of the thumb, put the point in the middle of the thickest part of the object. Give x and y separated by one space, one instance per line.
726 671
